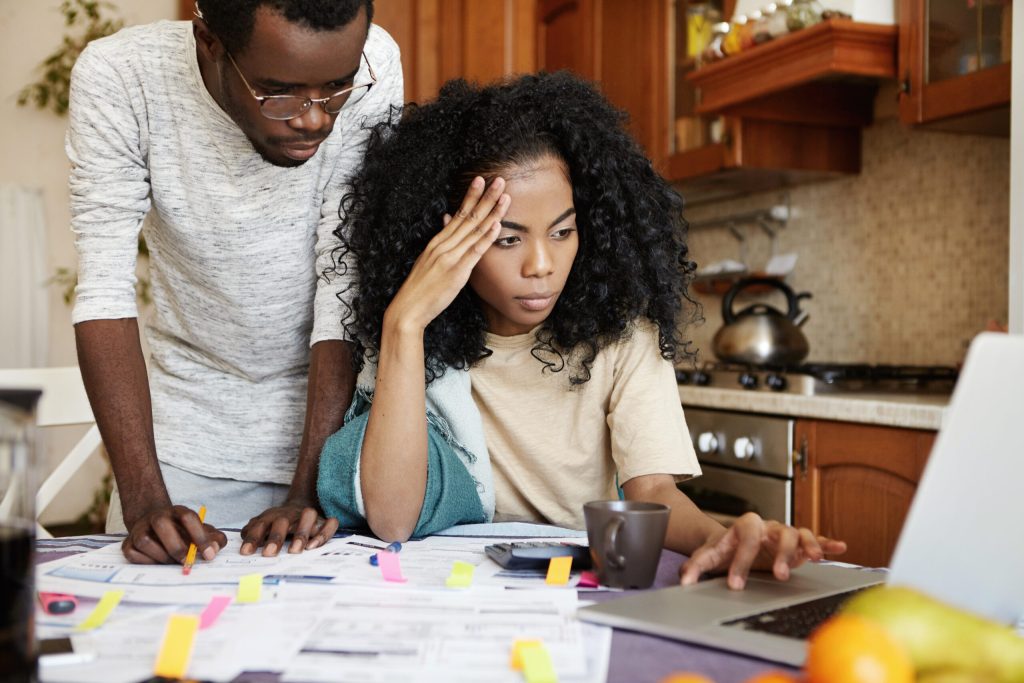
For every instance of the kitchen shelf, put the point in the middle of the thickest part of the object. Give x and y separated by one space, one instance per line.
816 56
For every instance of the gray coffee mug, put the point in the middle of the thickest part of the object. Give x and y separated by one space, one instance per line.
626 538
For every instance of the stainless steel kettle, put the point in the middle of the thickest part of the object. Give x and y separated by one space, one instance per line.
761 334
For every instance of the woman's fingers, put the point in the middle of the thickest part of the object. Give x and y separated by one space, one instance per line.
787 551
749 538
497 211
709 558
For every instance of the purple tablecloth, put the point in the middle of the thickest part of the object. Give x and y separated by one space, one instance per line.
635 657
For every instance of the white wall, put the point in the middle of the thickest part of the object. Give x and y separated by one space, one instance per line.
32 144
1017 179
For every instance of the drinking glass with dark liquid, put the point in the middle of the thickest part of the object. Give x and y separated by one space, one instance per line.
17 536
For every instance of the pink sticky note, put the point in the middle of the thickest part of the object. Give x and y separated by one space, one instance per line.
588 580
213 610
390 567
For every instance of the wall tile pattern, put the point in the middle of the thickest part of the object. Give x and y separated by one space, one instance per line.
906 261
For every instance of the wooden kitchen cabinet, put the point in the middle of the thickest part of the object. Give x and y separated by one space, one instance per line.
954 64
637 51
855 482
479 40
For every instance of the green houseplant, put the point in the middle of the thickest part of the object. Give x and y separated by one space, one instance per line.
85 22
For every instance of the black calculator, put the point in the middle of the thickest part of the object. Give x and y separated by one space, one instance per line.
537 555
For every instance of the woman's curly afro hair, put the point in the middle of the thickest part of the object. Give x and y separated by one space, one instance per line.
632 259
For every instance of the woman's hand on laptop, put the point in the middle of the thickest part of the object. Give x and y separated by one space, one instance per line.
752 543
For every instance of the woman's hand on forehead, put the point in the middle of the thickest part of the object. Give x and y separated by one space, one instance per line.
444 267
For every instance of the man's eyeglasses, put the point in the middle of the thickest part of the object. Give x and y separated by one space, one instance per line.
286 107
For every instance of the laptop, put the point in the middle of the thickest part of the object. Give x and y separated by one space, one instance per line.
960 542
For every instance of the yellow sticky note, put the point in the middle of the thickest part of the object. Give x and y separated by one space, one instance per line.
516 661
249 588
102 610
537 667
461 576
558 571
176 648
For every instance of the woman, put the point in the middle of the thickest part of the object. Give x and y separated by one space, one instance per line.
517 232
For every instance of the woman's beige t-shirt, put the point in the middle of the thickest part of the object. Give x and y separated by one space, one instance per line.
554 447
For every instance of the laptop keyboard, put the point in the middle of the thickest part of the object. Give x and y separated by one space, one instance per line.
794 621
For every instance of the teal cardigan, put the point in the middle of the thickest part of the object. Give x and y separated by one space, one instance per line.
450 497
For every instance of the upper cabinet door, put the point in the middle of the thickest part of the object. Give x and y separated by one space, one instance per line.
955 64
565 36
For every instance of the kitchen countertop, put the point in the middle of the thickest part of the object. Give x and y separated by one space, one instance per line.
913 411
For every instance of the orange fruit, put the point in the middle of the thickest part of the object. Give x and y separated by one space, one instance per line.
775 677
852 649
685 677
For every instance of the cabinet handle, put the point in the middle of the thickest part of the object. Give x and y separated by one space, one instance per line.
904 88
800 457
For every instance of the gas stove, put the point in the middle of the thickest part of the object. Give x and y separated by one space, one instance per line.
810 379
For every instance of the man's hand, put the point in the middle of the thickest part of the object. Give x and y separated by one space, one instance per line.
270 529
162 536
753 543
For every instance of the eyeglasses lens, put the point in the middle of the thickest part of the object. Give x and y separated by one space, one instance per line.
287 107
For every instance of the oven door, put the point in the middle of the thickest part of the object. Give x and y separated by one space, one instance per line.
725 494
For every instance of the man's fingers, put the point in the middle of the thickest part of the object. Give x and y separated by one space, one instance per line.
218 539
325 533
169 534
197 533
135 556
303 530
275 539
253 537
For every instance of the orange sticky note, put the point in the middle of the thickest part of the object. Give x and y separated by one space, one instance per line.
537 666
249 588
390 567
176 648
516 661
558 570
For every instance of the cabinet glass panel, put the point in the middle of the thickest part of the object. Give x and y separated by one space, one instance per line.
965 36
690 32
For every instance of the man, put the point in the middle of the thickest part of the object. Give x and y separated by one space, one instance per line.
234 138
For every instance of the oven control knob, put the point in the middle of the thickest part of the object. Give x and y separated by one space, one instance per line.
744 448
748 380
701 378
776 382
708 442
683 377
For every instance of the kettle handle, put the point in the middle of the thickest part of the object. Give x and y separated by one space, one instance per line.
792 298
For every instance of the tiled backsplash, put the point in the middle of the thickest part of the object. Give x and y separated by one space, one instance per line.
906 262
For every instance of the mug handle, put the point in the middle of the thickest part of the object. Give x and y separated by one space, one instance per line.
611 537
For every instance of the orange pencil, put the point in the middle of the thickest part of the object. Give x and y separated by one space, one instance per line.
190 559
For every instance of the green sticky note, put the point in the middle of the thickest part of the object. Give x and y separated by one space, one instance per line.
537 667
249 588
176 648
461 576
102 610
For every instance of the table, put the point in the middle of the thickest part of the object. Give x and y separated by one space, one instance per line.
635 657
